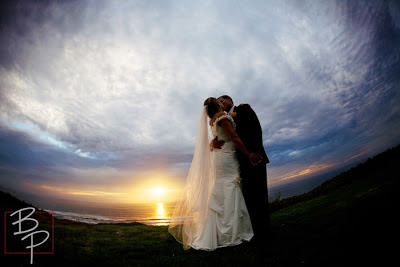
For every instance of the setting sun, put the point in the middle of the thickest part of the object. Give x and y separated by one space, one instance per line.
158 188
158 191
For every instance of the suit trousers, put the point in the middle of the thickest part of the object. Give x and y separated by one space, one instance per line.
255 192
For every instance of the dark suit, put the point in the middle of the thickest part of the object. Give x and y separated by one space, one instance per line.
254 179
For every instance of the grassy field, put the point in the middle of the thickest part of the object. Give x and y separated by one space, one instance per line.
347 221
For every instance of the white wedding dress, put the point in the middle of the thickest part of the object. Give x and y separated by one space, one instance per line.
225 220
228 222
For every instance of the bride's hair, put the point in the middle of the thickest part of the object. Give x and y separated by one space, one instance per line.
212 106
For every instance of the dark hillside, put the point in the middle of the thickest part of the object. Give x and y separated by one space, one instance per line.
349 220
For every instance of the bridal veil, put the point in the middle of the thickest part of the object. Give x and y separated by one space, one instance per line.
191 210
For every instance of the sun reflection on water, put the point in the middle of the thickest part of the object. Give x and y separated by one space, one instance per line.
160 211
161 216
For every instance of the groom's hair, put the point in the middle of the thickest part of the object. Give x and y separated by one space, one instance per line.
212 106
227 97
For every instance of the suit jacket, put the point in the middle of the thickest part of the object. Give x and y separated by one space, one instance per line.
249 130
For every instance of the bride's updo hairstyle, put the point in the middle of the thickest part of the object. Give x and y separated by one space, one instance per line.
212 106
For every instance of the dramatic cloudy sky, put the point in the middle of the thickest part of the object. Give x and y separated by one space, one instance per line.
100 100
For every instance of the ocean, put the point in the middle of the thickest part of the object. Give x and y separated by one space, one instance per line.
146 213
159 213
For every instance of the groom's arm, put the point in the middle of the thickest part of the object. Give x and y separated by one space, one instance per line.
251 131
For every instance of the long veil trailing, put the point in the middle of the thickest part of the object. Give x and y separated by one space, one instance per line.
191 210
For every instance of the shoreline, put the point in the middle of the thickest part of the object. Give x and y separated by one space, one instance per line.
324 227
277 193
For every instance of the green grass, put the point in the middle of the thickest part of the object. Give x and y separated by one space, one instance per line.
347 221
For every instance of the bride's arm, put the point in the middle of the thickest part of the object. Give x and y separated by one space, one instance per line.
228 127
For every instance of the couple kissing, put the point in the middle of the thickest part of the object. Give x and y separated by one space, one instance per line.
225 199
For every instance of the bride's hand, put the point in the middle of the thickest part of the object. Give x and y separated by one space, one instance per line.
255 159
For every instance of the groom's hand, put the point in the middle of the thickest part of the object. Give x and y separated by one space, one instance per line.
215 143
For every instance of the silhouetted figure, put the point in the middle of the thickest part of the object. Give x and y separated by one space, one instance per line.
254 178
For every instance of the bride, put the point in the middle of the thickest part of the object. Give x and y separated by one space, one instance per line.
212 212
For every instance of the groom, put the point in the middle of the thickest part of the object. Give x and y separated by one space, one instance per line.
254 178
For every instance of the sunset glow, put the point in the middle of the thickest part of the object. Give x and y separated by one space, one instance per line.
157 191
301 173
150 191
158 188
100 103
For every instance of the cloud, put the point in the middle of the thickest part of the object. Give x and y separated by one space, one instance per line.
117 88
